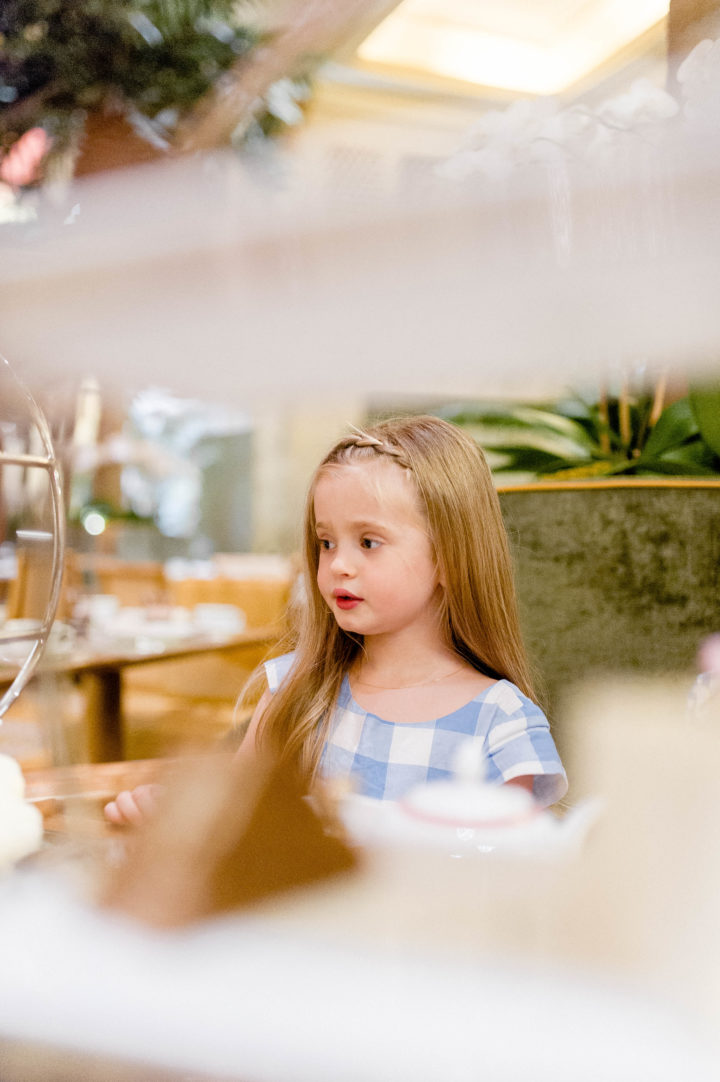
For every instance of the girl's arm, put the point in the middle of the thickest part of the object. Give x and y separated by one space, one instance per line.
248 748
524 782
133 807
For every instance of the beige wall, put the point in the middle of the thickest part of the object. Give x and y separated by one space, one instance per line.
287 446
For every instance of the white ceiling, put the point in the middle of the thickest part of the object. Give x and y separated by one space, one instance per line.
542 21
531 46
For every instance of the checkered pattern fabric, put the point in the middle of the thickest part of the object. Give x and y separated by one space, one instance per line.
384 759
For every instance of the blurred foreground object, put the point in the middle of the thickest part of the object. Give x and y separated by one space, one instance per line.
114 75
21 824
121 82
704 698
549 276
610 960
654 851
469 816
225 837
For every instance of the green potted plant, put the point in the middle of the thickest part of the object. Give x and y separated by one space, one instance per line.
614 435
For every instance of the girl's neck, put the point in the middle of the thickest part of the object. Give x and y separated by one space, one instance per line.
402 686
399 661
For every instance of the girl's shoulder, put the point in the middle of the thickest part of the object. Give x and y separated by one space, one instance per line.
277 668
508 699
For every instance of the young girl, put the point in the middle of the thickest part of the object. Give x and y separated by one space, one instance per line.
409 640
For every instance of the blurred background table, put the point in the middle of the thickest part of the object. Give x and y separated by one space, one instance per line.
101 674
161 653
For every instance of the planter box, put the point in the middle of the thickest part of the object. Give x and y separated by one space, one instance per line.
615 576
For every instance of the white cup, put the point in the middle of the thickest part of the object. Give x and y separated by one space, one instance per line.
98 609
219 619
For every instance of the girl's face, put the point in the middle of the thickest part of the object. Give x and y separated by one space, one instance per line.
376 568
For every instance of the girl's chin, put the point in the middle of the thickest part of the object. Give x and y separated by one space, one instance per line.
359 626
349 619
345 616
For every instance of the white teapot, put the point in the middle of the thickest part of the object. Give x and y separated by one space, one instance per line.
468 816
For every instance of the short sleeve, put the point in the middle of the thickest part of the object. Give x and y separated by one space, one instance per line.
519 743
276 669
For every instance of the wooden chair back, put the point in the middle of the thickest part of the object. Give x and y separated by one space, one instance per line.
133 582
29 592
264 601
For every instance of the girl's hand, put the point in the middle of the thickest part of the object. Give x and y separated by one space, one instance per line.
133 807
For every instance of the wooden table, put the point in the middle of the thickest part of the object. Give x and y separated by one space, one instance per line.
99 671
90 781
72 798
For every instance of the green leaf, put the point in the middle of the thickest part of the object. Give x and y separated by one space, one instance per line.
675 468
705 406
556 422
547 441
695 450
536 460
529 428
491 417
675 426
504 415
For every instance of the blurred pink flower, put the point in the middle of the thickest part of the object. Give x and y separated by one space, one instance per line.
21 164
709 654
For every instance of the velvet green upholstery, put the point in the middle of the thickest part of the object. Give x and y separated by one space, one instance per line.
615 579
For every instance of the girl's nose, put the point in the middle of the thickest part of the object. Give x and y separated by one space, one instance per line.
341 562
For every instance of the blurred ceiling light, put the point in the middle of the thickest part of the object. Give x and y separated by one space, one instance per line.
523 45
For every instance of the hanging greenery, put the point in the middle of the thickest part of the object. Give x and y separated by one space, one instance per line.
148 60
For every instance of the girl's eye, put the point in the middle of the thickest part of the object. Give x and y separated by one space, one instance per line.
369 543
325 543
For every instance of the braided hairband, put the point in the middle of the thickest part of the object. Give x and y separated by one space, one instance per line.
364 439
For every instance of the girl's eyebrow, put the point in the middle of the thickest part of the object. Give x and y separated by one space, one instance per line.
358 524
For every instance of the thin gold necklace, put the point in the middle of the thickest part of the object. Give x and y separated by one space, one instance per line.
405 687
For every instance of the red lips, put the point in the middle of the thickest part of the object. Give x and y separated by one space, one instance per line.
345 600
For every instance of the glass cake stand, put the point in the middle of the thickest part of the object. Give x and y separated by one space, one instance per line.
32 535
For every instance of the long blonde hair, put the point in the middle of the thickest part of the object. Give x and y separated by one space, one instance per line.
466 529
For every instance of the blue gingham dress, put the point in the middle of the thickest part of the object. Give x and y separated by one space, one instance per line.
384 759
